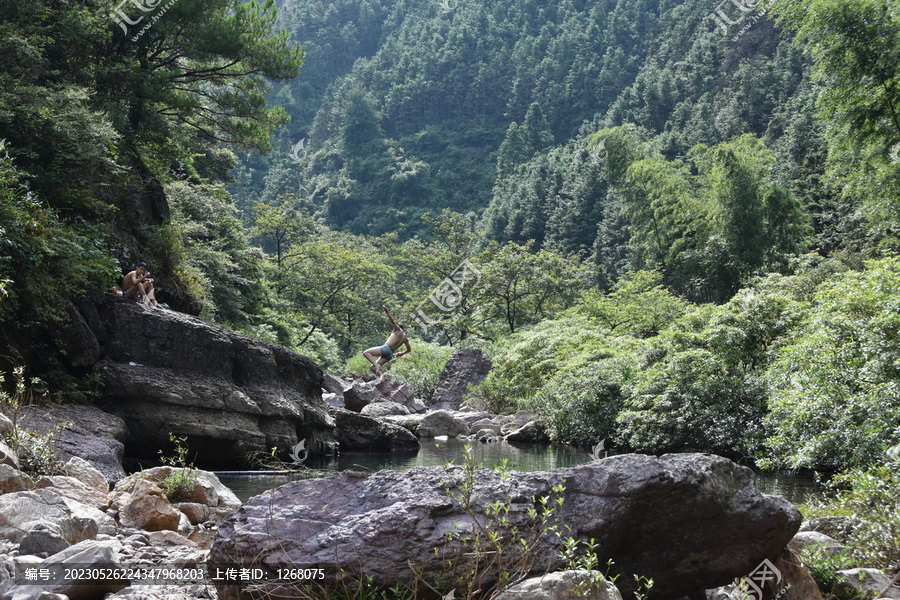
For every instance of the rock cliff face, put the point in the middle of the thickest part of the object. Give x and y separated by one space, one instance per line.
165 371
688 521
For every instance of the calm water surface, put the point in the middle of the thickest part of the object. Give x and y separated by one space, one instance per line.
521 457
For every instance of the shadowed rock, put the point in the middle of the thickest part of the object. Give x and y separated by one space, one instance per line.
689 521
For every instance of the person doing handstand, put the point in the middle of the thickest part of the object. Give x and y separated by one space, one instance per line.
387 352
139 284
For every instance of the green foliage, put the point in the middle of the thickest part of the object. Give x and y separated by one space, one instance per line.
703 386
834 397
43 256
823 564
870 496
37 452
422 368
638 306
493 550
180 481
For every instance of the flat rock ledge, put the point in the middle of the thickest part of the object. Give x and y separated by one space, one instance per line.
689 521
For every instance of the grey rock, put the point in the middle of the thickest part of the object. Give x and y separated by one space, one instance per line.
334 384
489 424
689 521
7 456
85 554
168 372
77 341
560 585
467 367
13 480
75 522
43 537
92 434
441 422
359 432
333 400
416 406
838 528
813 538
861 583
73 489
470 418
361 393
530 432
87 474
6 424
383 408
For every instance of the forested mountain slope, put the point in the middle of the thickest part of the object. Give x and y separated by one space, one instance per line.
413 101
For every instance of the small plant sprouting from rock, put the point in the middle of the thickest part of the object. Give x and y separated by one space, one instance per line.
180 482
37 452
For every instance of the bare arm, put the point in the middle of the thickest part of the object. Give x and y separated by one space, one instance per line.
390 318
404 352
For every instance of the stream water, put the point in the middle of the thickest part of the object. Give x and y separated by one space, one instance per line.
795 487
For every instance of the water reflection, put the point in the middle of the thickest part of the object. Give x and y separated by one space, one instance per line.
795 487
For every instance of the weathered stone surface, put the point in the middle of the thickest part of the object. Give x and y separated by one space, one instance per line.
196 513
359 432
441 422
861 583
396 390
813 538
838 528
146 507
207 491
383 408
334 384
43 537
489 424
785 579
361 393
92 434
85 472
560 586
168 372
71 488
689 521
85 554
13 480
6 424
7 456
530 432
77 341
76 522
467 367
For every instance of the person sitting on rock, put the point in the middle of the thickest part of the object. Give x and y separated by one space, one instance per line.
385 353
139 284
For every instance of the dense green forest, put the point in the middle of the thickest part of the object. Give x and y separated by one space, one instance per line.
671 224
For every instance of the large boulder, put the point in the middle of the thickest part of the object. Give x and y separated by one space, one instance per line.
168 372
361 393
688 521
467 367
90 433
562 585
74 521
441 422
13 480
359 432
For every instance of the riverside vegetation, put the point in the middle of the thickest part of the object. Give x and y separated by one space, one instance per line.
684 240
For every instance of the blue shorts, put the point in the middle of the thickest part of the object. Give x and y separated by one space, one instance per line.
387 352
